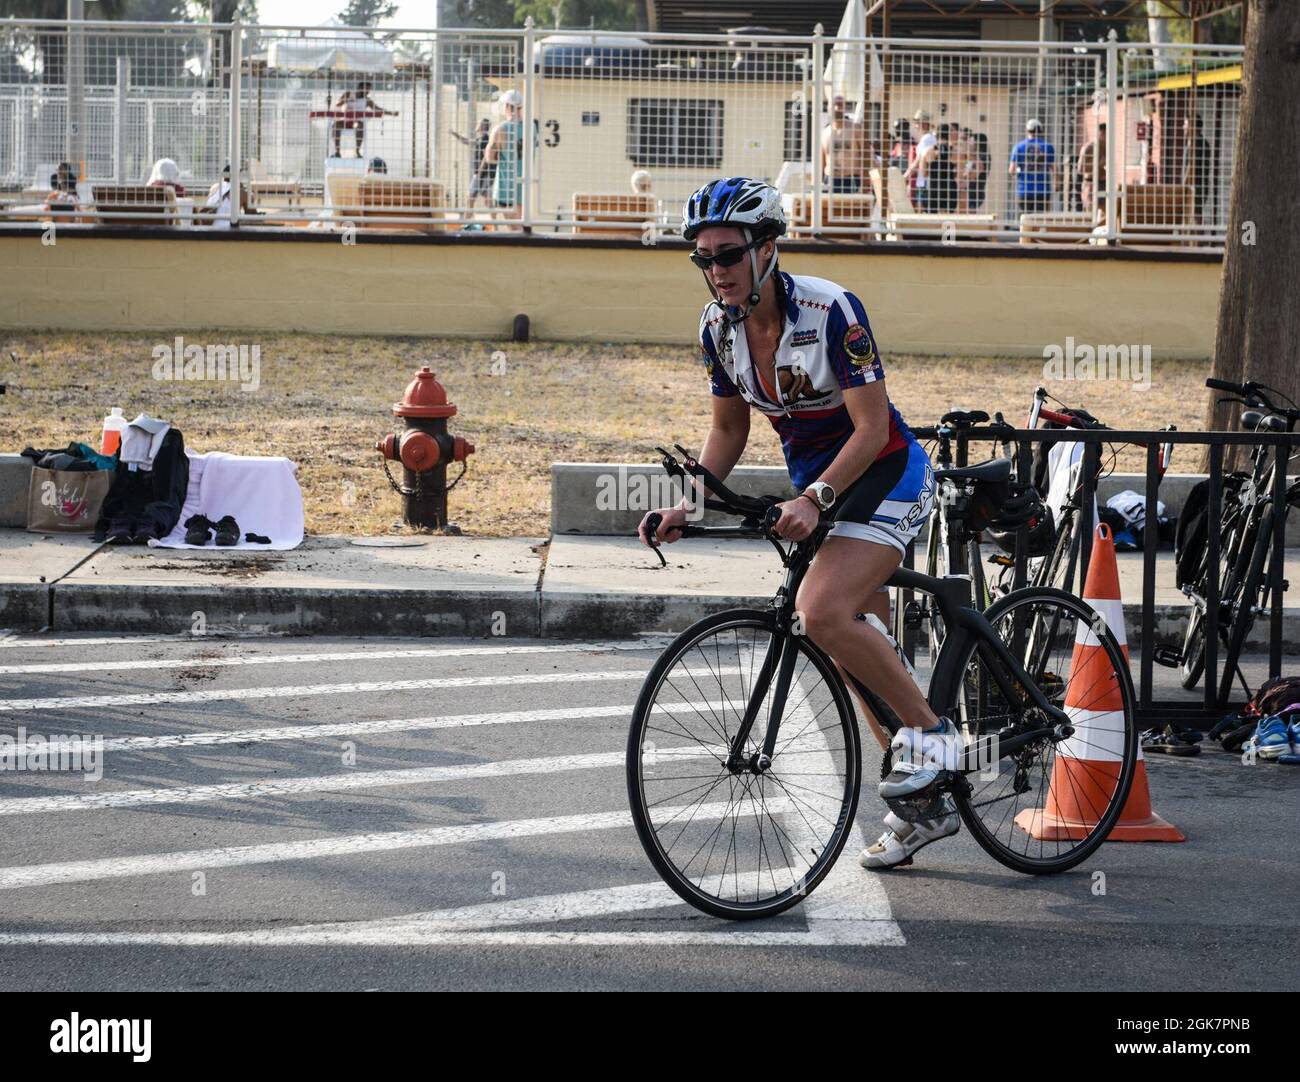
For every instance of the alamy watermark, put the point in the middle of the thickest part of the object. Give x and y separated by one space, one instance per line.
1081 361
620 490
226 363
37 753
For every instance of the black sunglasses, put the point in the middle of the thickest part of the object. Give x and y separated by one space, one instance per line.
728 257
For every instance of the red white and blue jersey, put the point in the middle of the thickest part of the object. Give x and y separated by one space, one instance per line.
826 347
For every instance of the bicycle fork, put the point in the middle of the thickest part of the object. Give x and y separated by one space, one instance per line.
779 661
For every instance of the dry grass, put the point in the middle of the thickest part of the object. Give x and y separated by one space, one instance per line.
324 401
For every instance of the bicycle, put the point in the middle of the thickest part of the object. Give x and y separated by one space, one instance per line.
951 546
1059 567
744 758
1246 524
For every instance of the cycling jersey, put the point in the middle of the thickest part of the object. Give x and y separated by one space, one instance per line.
826 346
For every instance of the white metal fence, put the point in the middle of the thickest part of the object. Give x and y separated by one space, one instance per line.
607 134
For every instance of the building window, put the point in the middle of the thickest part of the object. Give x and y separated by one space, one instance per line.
797 144
681 132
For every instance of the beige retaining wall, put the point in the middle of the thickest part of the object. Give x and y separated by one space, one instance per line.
1002 302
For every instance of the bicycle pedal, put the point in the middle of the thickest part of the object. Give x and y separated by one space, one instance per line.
1002 560
1167 656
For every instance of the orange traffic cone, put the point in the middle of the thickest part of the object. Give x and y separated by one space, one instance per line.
1087 765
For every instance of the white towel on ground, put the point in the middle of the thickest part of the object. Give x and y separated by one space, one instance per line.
261 493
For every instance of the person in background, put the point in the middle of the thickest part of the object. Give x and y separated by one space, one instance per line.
917 175
1196 169
980 176
847 152
63 188
963 162
480 184
377 167
355 101
642 182
166 174
903 148
1091 167
505 152
218 205
941 174
1033 164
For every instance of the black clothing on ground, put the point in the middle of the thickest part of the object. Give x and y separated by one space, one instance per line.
148 502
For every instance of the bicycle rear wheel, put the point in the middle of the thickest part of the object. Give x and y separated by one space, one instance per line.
736 843
1047 806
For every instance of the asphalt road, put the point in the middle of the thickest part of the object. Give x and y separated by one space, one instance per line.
322 814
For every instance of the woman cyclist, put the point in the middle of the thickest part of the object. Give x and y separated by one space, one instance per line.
800 351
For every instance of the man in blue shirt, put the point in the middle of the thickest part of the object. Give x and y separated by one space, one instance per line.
1033 164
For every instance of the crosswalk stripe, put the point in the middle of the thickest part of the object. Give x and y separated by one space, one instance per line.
394 725
153 698
318 783
124 867
197 661
880 933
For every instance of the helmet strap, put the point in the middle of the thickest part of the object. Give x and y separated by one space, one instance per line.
755 293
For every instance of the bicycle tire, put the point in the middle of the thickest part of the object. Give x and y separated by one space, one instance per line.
942 698
764 622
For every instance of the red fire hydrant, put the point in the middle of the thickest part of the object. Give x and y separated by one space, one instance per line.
424 449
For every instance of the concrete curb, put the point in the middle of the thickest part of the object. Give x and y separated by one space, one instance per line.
305 611
609 499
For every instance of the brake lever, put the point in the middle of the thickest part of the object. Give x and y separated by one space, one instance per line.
652 523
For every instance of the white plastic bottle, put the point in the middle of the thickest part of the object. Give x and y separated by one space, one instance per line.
114 425
872 619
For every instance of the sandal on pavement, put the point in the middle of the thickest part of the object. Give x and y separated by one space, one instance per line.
1166 742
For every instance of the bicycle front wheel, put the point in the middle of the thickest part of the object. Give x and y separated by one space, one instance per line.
733 841
1051 802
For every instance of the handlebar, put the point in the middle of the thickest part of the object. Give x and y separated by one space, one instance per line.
759 514
1257 394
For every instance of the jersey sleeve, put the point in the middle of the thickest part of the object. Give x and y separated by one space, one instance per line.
850 345
719 382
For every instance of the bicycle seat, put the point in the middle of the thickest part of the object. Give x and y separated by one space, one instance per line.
995 471
964 417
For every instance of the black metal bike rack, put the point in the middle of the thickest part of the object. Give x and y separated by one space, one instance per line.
1217 698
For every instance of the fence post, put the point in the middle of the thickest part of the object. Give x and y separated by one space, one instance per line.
236 80
815 109
529 148
120 105
1112 90
76 84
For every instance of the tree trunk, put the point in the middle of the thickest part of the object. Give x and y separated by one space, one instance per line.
1258 335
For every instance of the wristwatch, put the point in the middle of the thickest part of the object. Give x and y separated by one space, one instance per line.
821 493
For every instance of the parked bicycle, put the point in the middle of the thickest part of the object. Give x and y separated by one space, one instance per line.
743 754
1246 527
1059 565
968 498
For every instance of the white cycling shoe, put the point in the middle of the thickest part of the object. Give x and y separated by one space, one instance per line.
920 757
895 847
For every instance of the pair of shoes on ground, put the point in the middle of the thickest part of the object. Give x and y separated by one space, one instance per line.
1277 737
919 760
1170 741
199 529
124 534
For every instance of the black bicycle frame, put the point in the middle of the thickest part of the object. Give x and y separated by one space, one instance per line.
965 622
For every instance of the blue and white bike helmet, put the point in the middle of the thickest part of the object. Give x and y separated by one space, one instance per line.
752 206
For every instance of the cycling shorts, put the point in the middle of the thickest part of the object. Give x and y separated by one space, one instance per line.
890 502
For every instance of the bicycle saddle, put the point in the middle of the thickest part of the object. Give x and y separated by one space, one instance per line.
995 471
1252 420
964 417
